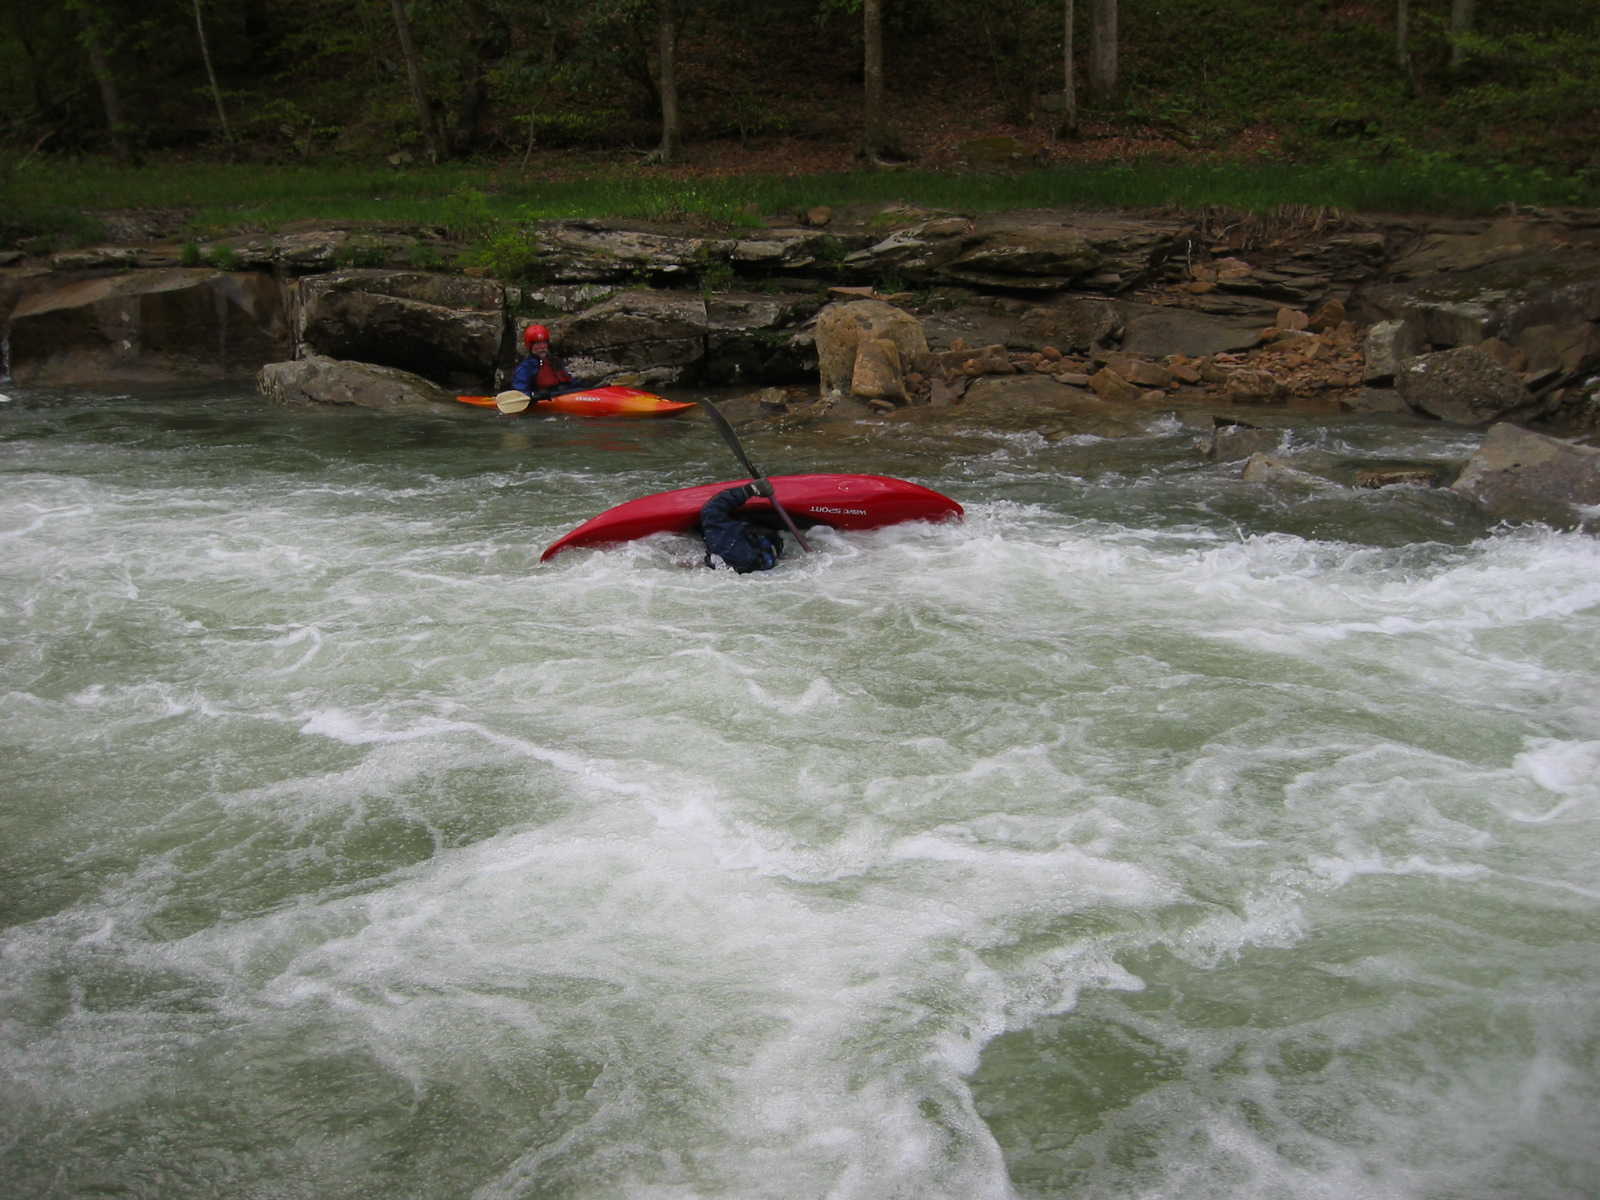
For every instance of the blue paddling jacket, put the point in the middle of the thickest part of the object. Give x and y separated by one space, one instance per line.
535 374
731 542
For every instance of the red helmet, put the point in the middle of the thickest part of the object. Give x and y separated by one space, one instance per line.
535 333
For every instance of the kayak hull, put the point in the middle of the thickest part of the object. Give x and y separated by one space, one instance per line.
609 401
839 501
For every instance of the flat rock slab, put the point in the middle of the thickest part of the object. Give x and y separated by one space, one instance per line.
1523 475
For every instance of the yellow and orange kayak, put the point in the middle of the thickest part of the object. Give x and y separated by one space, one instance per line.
608 401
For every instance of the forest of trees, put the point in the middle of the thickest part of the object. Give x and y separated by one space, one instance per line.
286 80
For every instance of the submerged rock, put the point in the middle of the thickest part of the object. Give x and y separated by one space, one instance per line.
1522 475
318 379
1232 441
1280 472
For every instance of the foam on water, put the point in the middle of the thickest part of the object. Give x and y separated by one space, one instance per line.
1051 853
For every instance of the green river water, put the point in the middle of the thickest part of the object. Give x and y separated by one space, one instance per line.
1146 834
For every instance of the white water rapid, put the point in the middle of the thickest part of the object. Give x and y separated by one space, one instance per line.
1148 834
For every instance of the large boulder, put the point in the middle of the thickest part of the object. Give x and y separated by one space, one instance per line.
1466 386
155 325
448 328
1389 344
1523 475
759 337
318 380
655 337
853 341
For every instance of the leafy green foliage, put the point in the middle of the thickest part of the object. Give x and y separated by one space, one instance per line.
361 252
321 93
1537 95
713 272
1324 76
467 214
279 122
424 256
510 253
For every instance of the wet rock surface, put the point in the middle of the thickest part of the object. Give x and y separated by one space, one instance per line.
1064 322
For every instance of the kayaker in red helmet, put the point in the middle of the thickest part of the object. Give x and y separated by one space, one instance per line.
539 373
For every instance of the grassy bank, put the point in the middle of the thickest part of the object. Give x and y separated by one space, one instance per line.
55 203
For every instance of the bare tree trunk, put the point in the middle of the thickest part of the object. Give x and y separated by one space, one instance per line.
1461 20
874 136
106 80
1069 79
1402 43
419 96
488 41
667 52
211 74
1103 49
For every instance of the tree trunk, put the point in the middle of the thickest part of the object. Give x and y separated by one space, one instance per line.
874 136
106 80
1103 49
1402 43
211 74
419 95
1461 20
667 52
1069 80
489 41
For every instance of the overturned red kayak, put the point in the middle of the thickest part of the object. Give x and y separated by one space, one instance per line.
613 400
838 501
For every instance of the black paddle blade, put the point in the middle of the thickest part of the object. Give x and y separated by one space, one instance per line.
732 438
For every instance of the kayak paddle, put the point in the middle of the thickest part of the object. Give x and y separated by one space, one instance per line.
513 401
732 438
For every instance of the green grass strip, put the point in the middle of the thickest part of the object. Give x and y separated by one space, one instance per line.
471 201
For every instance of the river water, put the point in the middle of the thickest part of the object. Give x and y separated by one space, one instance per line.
1147 834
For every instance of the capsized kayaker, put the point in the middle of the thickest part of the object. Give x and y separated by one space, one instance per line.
733 543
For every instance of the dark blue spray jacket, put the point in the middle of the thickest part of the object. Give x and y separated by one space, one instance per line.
737 543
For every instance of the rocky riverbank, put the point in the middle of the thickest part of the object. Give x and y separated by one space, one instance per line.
1058 321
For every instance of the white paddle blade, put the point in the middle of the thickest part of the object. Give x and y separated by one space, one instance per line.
512 401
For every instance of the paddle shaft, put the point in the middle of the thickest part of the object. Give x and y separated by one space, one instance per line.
732 438
535 397
559 390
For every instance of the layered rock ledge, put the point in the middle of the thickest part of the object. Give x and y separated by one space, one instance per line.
1049 317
